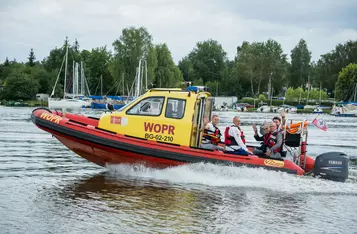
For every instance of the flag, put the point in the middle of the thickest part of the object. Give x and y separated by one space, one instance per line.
320 123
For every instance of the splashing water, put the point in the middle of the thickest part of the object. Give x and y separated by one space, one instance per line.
229 176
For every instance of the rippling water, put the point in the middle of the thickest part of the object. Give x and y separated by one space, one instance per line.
45 188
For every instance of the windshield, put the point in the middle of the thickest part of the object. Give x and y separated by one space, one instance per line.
129 103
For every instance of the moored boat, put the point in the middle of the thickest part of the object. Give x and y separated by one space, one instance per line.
345 110
164 128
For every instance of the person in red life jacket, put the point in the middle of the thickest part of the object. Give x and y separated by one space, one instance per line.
274 142
280 121
261 150
211 134
235 140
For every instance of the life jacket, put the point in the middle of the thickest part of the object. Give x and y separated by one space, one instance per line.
266 138
212 137
270 141
229 140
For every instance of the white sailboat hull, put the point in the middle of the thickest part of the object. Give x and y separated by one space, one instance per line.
264 109
55 103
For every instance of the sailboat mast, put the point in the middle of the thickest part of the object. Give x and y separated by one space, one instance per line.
123 85
308 90
74 76
65 70
75 79
138 87
320 93
82 79
146 75
101 85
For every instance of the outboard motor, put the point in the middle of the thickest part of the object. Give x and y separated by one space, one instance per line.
332 166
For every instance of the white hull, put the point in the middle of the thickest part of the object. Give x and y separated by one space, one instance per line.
55 103
345 110
265 109
287 110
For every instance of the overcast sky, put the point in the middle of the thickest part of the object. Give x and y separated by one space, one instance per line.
44 24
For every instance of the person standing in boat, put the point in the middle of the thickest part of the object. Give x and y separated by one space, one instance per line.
280 121
234 139
211 134
274 142
261 150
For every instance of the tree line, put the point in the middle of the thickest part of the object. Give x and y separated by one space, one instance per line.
257 68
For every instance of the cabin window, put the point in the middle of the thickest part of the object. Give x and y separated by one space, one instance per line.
151 106
175 108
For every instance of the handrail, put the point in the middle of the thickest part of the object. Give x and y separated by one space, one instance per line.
302 134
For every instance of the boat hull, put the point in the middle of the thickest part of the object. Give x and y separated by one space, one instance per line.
81 135
345 115
95 105
67 103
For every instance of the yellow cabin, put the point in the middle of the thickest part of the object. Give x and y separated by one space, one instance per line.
173 116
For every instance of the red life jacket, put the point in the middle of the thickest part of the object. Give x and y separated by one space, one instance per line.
270 141
229 140
212 137
266 138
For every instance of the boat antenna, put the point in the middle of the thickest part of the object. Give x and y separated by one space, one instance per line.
65 69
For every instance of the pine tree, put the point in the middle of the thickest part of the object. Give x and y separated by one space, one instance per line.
31 58
65 42
76 45
7 62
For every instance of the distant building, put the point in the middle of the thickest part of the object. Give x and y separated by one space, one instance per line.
42 97
224 101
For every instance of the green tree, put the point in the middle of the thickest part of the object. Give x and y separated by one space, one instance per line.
277 65
97 66
134 44
346 84
259 63
290 94
31 58
330 64
152 63
208 61
167 74
76 46
245 66
5 69
231 84
20 85
300 64
185 66
7 62
45 79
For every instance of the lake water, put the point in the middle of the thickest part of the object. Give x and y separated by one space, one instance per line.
45 188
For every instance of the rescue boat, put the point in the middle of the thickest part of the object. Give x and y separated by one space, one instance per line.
164 128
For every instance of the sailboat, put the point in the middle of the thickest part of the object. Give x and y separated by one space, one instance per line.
76 99
318 109
346 109
138 87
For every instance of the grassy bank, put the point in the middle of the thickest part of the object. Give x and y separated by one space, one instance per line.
281 102
28 103
300 111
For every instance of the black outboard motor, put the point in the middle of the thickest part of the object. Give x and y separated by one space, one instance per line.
332 166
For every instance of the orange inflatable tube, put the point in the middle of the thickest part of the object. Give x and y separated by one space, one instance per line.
294 128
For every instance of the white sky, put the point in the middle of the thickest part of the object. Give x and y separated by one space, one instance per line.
44 24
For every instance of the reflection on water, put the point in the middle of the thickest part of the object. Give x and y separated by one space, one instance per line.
45 188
